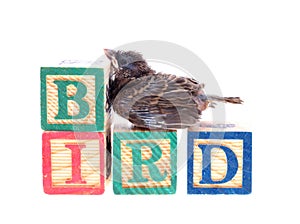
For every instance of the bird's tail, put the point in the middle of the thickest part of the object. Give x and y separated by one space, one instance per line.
235 100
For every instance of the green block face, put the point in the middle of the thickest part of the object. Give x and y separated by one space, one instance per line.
144 162
72 99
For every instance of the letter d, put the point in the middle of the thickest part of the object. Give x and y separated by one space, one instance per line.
232 164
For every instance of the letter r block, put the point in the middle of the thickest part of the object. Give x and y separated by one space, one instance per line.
144 162
73 99
219 162
73 162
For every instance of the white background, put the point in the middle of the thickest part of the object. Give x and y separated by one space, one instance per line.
252 48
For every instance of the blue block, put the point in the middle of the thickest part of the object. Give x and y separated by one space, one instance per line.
219 162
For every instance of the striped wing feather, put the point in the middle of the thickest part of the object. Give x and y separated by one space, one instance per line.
160 101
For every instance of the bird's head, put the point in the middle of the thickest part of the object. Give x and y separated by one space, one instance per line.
121 59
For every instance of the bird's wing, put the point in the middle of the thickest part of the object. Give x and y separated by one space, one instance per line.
160 101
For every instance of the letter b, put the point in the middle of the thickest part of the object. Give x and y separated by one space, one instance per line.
63 99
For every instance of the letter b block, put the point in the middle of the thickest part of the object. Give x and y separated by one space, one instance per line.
219 162
73 99
73 162
144 162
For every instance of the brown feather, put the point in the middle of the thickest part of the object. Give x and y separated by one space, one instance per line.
158 100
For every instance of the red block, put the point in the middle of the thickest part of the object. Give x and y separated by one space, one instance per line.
73 162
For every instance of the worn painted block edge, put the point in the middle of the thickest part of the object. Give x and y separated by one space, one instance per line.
100 104
247 162
117 178
47 177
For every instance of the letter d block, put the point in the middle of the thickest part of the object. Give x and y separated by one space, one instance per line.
73 162
144 162
219 162
73 99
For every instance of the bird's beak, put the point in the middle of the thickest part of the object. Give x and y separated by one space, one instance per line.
109 53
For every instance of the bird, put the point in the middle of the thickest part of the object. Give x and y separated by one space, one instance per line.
155 100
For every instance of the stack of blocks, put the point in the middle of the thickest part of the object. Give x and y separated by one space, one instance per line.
77 145
76 121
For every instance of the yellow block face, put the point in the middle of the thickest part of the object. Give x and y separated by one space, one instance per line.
218 163
163 164
61 160
73 108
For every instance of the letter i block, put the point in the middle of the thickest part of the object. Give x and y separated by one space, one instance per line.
144 162
73 162
73 99
219 162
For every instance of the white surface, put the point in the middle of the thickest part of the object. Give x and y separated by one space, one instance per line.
252 48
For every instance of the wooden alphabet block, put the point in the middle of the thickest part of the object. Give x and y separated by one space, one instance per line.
73 99
73 162
219 161
144 162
